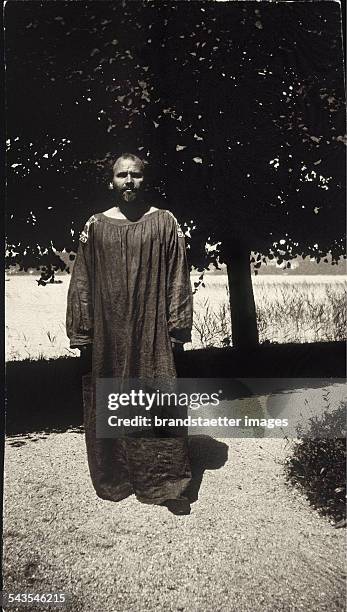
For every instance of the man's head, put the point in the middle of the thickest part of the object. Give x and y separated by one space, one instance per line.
128 177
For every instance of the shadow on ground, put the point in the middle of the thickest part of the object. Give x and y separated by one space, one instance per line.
314 360
205 453
45 395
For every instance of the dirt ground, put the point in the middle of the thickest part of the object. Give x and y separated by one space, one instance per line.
251 542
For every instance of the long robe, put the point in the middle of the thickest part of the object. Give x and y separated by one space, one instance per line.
129 294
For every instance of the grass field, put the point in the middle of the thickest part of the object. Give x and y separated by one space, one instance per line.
289 309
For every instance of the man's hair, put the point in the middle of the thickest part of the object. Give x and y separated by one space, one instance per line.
131 156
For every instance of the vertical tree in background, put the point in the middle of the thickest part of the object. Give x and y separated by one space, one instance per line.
255 95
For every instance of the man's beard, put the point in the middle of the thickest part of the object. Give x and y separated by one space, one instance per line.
134 206
129 195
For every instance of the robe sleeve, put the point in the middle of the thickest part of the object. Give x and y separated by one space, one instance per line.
179 291
79 314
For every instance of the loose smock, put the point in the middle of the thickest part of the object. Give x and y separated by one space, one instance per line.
129 294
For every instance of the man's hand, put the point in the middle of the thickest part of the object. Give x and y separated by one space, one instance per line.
177 347
85 358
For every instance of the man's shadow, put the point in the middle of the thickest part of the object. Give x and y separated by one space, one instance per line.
205 453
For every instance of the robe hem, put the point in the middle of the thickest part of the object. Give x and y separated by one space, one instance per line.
175 494
124 492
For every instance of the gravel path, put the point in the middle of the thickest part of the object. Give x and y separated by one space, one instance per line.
251 543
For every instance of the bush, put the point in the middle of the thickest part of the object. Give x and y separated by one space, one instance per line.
318 464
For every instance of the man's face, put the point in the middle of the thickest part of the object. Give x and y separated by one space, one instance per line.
128 178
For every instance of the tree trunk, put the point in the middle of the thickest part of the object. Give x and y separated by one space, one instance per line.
242 305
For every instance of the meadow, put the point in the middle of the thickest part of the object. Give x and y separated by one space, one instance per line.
289 309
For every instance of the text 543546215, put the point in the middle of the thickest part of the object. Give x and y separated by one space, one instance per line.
9 599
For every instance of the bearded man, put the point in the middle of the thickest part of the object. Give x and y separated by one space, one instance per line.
130 305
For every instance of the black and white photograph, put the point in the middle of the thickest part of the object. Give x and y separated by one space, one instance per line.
175 306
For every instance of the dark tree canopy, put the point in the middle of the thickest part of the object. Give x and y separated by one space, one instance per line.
237 106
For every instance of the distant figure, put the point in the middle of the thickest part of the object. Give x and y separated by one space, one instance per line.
130 305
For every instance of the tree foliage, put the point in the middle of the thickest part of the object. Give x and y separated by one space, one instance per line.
238 108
